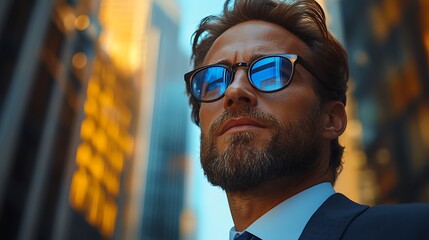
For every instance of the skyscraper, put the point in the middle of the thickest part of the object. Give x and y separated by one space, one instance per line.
67 123
388 53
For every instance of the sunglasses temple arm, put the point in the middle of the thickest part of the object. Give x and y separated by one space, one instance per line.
307 66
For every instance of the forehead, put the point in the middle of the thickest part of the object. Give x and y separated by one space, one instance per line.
255 37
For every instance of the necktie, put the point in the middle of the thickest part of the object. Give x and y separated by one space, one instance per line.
246 236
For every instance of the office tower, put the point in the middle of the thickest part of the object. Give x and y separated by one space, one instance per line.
388 54
67 123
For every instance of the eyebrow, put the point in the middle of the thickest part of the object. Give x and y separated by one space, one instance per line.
253 57
223 62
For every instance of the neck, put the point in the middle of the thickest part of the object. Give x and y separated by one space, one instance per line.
247 206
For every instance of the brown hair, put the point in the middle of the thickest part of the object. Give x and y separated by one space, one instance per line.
305 19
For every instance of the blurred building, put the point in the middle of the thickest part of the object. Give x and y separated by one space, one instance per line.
388 48
164 194
78 100
67 126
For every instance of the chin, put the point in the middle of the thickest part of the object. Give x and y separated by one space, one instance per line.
242 139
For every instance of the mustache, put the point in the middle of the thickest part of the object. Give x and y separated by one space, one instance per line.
245 111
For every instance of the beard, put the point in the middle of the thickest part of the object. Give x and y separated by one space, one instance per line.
293 149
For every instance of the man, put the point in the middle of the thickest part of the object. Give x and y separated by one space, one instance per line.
268 92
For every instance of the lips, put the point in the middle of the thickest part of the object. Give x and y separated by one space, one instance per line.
239 123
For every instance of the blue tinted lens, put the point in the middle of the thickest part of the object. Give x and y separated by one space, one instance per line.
210 83
271 73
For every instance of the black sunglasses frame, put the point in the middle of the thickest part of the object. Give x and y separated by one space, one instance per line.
293 58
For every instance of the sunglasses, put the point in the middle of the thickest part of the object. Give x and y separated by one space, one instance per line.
270 73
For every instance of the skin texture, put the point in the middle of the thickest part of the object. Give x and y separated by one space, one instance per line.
241 43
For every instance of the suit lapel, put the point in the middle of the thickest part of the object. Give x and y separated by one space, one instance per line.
332 218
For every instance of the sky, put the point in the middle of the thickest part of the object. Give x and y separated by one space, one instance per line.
192 11
209 204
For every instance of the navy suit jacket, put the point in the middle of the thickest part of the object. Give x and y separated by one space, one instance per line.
341 218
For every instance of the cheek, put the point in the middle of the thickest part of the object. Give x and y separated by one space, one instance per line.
208 113
290 104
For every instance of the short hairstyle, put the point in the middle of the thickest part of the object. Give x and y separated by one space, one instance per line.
303 18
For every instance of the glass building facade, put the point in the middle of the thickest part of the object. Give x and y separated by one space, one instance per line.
93 120
388 54
69 117
164 193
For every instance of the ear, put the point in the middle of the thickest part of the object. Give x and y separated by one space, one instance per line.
334 120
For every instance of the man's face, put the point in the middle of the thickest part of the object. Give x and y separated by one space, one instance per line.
250 137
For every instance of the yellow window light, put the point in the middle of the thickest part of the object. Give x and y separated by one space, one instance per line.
82 22
79 189
87 128
79 60
83 155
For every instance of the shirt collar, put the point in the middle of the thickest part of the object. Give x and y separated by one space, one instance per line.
288 219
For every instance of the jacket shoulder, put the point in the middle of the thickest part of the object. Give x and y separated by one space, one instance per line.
401 221
332 218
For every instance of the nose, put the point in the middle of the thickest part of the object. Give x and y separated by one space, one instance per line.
240 91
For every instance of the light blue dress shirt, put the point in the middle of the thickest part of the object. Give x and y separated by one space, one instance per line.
287 220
